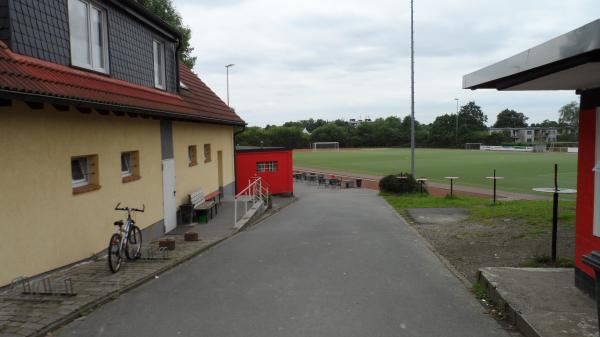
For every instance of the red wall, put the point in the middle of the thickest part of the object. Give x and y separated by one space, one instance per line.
585 241
279 182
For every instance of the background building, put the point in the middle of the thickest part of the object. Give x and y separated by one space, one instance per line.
274 164
529 134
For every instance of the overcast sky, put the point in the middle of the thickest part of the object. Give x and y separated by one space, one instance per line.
296 59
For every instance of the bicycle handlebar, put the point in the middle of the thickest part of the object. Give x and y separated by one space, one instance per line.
130 209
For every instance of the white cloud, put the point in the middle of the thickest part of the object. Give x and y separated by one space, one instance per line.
350 58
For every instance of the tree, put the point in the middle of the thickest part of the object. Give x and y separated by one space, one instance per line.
311 124
510 119
546 124
252 136
471 118
569 115
442 132
330 132
165 10
497 138
292 137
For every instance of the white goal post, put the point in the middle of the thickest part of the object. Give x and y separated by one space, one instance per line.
571 147
325 145
473 146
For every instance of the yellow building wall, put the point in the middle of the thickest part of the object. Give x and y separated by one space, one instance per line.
42 224
205 175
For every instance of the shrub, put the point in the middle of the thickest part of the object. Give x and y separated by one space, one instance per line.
393 184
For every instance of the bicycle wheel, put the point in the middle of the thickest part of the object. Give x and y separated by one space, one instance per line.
114 253
134 243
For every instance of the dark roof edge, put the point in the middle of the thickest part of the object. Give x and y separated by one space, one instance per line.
147 17
564 48
261 149
33 97
532 74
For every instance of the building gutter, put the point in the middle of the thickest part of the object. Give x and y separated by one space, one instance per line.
41 98
177 75
235 189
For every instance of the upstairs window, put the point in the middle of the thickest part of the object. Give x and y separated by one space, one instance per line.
88 34
159 64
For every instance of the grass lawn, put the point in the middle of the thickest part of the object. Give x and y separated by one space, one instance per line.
522 171
537 214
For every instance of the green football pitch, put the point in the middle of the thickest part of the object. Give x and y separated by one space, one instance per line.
522 171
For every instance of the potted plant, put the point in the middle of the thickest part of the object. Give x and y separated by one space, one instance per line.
269 202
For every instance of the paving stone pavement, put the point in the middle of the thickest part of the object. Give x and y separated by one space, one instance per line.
93 283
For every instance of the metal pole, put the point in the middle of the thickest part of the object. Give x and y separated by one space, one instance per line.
494 186
412 90
227 85
456 132
555 213
227 67
451 187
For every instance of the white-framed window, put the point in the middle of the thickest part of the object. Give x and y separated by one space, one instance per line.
596 228
266 166
158 49
88 35
79 171
126 164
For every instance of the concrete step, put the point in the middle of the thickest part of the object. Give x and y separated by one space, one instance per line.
253 212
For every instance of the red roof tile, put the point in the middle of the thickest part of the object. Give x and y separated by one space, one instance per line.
34 77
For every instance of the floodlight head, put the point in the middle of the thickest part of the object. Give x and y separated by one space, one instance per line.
229 65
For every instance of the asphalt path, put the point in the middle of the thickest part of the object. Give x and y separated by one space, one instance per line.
334 263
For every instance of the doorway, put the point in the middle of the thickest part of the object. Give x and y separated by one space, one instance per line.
169 194
220 172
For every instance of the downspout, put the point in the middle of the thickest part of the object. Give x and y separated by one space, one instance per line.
235 159
178 81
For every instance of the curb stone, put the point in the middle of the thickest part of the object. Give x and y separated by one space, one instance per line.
512 315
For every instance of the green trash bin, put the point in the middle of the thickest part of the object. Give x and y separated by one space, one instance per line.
203 217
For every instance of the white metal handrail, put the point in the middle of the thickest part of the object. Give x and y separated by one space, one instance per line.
256 191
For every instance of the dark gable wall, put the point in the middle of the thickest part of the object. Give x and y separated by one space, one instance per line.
131 55
40 28
4 35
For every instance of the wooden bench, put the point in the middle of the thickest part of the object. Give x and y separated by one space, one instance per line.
201 204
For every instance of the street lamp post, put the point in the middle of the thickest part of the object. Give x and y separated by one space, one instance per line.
227 67
456 132
412 90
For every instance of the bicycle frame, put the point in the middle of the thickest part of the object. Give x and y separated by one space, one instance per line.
125 232
125 229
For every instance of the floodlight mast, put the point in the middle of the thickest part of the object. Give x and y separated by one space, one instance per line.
412 90
227 67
